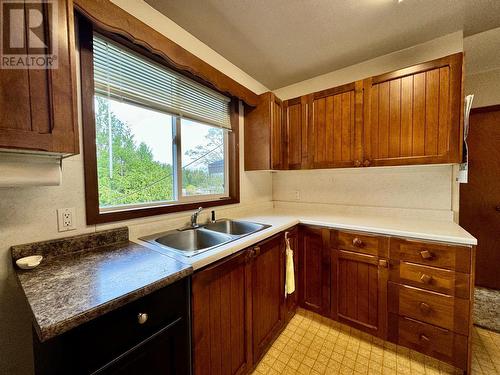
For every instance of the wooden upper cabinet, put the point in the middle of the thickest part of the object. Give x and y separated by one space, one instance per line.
295 113
264 141
38 106
221 319
335 123
414 115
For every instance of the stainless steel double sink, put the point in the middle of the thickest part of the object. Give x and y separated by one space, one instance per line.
194 241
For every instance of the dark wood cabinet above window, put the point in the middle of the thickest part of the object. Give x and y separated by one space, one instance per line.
409 116
38 106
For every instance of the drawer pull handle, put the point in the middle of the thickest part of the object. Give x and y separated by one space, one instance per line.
142 318
424 338
426 254
357 242
425 308
426 279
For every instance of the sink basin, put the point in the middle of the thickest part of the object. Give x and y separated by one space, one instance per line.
189 242
234 227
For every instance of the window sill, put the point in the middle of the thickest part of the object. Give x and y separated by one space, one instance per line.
110 216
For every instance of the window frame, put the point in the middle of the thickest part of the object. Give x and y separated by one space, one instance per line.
95 214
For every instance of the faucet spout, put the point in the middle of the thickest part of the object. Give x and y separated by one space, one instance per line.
194 218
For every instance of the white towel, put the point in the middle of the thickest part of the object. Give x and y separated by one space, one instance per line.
290 275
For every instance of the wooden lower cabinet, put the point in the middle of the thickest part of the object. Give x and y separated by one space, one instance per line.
314 270
221 317
359 291
268 293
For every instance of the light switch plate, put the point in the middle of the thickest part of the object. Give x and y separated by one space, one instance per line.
66 219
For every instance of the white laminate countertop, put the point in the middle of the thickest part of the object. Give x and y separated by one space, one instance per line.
431 230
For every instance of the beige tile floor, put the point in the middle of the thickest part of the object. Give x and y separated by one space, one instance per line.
311 344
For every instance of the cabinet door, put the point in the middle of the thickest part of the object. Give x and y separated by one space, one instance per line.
268 294
221 317
38 106
414 115
359 291
292 299
277 136
314 270
335 125
295 126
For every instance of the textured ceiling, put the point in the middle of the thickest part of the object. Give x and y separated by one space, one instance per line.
280 42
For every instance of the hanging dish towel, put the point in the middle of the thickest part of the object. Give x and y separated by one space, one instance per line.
290 275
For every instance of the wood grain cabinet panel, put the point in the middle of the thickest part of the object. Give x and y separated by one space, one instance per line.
221 318
414 115
314 271
434 308
264 136
38 106
431 278
335 118
268 293
359 283
295 126
431 340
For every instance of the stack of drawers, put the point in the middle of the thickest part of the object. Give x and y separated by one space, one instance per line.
429 299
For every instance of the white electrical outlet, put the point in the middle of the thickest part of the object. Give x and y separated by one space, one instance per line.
66 219
297 195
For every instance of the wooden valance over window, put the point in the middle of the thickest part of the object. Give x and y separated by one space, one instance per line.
109 17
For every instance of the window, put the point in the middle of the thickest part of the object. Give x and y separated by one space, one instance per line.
155 141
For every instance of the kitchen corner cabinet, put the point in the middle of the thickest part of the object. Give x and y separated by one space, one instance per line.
264 142
221 317
408 116
38 106
414 115
314 270
359 281
268 293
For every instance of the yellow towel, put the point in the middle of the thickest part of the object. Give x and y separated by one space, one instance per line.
290 275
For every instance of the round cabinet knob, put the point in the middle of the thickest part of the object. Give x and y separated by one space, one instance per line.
426 279
142 318
383 263
425 308
426 254
357 242
497 208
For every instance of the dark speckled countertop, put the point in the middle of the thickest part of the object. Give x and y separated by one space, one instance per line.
83 277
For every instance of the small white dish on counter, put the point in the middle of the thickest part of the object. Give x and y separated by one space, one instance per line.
28 263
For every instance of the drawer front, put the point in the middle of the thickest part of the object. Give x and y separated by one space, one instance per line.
436 342
430 307
431 278
362 243
457 258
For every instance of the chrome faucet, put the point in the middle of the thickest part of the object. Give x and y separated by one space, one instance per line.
194 218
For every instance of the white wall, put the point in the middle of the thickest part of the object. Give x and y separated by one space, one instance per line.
482 67
29 214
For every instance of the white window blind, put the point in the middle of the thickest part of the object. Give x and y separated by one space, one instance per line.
121 74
